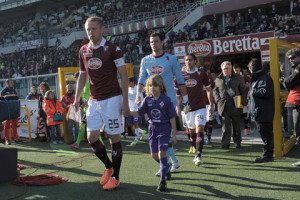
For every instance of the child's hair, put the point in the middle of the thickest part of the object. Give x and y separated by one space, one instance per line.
156 80
47 95
131 79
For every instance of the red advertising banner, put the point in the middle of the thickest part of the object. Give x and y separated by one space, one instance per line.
227 45
33 44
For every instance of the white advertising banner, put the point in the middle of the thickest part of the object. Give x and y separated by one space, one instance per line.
33 107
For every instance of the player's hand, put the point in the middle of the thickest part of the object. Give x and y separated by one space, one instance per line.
76 105
139 98
185 107
125 110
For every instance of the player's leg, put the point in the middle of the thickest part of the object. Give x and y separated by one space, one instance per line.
95 122
163 142
114 125
200 121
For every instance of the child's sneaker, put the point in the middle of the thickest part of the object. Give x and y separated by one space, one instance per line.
198 161
175 165
135 141
157 173
297 164
54 142
162 186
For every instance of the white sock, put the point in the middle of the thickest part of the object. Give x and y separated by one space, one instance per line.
136 133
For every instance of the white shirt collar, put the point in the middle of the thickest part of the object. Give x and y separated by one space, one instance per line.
190 72
102 43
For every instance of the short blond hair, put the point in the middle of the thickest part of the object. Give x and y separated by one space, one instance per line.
156 80
94 19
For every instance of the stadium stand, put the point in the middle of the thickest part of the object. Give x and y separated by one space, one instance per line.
63 20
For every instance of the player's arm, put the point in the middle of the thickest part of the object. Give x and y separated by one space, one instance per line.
141 84
174 130
79 88
181 85
209 93
124 86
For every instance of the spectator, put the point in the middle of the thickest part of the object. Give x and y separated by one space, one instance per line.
262 106
52 107
228 87
292 83
9 90
33 95
273 11
16 74
44 87
67 101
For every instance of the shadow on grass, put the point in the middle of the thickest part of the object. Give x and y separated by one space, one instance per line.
215 193
93 190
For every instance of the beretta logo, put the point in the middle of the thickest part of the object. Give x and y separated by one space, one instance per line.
156 69
191 83
94 63
200 48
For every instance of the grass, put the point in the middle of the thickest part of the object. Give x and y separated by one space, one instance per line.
225 174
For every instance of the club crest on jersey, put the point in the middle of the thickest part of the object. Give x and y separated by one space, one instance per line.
155 114
94 63
191 83
156 69
161 104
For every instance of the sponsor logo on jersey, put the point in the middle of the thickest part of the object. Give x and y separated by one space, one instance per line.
87 53
94 63
155 114
156 69
201 48
191 83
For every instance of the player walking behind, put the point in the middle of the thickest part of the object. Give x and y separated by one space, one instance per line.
162 121
101 60
196 119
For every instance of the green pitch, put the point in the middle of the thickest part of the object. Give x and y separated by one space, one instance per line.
225 174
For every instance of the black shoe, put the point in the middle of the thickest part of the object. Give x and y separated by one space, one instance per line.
17 141
225 146
238 146
162 186
263 159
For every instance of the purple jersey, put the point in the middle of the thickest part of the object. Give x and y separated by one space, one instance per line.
158 111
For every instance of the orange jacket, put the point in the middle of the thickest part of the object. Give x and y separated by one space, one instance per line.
50 108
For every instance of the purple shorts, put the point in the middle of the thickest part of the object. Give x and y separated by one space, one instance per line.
132 119
159 137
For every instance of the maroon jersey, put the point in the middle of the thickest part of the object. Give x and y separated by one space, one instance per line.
194 82
100 63
212 85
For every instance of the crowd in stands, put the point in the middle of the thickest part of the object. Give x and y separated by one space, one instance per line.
37 61
68 18
241 23
47 59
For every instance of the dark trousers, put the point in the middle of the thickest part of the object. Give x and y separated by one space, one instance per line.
266 134
229 119
296 119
